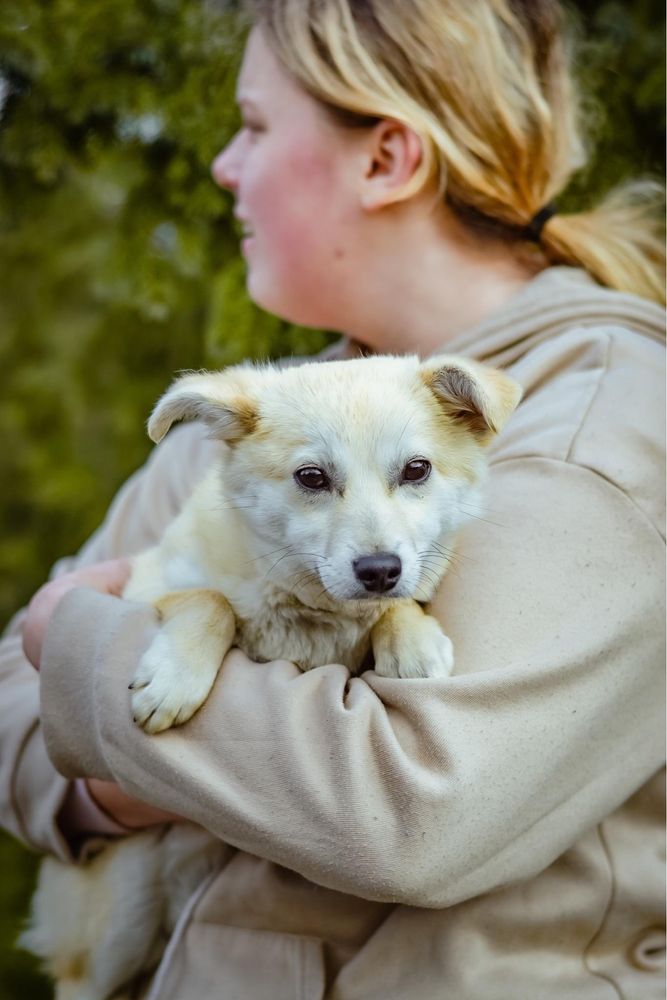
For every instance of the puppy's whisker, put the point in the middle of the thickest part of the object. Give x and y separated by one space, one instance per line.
451 555
309 423
314 555
230 506
306 580
481 508
439 559
235 498
423 596
452 568
478 517
440 547
430 575
405 427
307 572
286 555
439 564
430 553
294 555
432 568
265 555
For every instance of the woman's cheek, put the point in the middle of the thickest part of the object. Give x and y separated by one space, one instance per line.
285 280
287 259
296 256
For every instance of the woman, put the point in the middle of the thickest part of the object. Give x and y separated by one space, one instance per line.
496 834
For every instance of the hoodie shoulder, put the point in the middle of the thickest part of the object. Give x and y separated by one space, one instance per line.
594 397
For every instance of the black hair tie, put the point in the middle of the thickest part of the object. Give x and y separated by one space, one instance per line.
534 228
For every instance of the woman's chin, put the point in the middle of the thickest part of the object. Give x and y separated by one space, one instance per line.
273 300
274 294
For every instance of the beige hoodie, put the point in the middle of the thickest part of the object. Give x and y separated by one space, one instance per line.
492 836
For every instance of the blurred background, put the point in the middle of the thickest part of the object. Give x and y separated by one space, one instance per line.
119 260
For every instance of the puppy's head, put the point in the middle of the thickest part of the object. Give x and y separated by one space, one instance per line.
357 471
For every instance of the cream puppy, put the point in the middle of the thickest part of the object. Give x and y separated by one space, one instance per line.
331 514
326 523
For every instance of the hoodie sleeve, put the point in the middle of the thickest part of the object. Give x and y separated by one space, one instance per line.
34 798
424 792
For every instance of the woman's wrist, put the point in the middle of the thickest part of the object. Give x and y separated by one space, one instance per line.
108 577
124 809
82 816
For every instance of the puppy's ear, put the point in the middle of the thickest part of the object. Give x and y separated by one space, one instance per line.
474 395
218 399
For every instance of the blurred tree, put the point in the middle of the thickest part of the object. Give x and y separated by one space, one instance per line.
620 63
119 262
118 253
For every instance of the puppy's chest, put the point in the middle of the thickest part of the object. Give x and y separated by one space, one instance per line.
272 624
281 627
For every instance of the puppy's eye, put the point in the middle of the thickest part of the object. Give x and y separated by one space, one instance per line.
416 471
312 478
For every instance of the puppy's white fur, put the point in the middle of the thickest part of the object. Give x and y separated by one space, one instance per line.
258 559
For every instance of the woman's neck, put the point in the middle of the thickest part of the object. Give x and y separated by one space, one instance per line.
439 281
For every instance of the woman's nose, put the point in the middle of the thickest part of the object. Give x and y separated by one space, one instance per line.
224 169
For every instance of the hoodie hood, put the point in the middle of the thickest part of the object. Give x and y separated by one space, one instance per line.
555 301
558 299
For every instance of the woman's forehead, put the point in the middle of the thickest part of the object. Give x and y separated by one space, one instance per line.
260 71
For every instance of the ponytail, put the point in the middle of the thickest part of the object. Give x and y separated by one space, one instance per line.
620 242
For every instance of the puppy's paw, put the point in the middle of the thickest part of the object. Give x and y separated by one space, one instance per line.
166 691
422 652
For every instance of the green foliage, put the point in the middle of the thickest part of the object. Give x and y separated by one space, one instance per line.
118 253
620 63
119 261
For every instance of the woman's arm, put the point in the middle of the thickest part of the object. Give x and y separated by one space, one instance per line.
423 792
37 803
108 577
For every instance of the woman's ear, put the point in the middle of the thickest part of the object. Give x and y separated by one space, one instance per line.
393 157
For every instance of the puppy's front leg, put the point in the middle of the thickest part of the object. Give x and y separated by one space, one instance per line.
409 643
177 671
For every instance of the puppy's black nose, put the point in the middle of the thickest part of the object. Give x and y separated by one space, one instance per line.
378 573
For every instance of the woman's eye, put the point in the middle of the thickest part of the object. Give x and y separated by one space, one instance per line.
416 471
312 478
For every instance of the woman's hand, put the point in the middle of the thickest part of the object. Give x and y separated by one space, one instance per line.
108 577
124 808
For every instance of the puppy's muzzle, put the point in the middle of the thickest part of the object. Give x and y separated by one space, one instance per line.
379 572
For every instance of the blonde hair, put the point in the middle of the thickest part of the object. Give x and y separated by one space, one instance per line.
487 87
